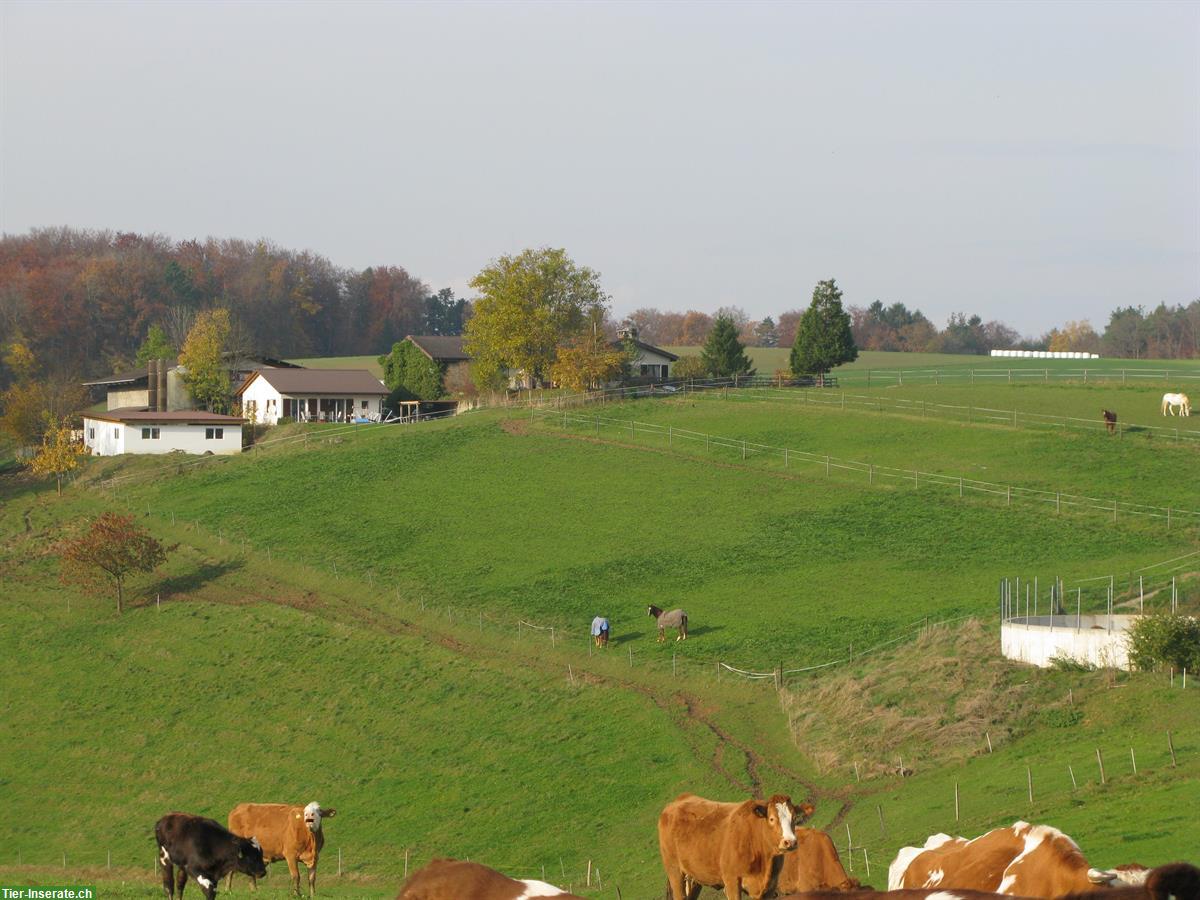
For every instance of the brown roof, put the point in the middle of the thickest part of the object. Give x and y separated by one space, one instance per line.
440 348
318 381
649 348
175 416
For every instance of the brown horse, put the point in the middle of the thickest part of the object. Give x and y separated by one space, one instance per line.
676 619
1110 420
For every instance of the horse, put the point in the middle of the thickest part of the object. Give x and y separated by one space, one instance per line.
600 631
676 619
1110 420
1170 401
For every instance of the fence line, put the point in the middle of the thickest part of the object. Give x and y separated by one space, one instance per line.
915 477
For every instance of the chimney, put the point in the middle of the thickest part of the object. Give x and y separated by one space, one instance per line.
162 385
152 385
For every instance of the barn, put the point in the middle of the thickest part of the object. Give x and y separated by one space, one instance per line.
118 431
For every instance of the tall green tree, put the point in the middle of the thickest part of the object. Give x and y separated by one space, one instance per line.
529 305
823 338
202 358
155 346
723 354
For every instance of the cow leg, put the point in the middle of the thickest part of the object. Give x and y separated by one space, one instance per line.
208 882
733 889
677 884
294 868
168 876
181 881
312 879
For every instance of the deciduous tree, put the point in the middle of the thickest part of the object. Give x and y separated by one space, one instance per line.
723 353
202 356
410 374
529 305
823 338
59 454
113 547
588 363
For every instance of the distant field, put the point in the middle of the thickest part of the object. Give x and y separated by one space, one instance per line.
371 363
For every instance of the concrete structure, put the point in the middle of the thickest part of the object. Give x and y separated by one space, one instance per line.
159 385
312 395
120 431
1098 640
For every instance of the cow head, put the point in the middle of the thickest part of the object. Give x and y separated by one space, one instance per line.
250 858
313 814
780 814
1132 874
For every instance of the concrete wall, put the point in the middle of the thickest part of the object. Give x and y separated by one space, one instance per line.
1040 639
112 438
137 399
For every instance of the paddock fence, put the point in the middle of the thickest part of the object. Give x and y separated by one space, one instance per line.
730 450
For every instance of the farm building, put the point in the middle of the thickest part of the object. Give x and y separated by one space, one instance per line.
311 395
649 362
118 431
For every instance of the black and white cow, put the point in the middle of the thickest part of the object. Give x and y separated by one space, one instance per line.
205 850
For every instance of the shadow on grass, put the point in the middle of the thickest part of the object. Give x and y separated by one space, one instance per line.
177 587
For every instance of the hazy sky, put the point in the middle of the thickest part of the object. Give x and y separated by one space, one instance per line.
1032 162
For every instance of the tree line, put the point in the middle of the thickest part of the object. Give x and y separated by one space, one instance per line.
1165 332
84 302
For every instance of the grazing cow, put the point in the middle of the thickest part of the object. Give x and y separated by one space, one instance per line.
1172 401
729 845
1176 881
453 879
291 833
813 866
676 618
1110 420
600 631
203 849
1024 860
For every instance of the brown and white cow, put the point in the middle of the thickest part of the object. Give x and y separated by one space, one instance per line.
1176 881
1024 860
724 845
291 833
453 879
813 866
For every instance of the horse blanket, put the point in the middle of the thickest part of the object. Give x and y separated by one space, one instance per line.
599 625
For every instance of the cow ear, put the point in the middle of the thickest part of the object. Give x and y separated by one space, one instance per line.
254 843
760 810
328 813
1095 876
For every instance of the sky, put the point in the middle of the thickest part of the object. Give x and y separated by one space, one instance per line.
1029 162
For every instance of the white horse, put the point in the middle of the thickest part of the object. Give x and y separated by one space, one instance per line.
1171 401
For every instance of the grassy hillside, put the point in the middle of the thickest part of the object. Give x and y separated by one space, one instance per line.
340 623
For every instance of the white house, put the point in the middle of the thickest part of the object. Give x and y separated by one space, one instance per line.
118 431
648 361
311 395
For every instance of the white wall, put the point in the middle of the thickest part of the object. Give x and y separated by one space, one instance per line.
135 399
171 436
648 359
1039 639
260 393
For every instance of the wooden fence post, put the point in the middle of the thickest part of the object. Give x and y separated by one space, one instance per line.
1100 762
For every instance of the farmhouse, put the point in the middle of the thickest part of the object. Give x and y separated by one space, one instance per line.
118 431
311 395
648 362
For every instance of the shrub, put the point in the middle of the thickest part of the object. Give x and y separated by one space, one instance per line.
689 367
1165 640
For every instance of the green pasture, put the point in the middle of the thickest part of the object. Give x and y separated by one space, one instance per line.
341 620
369 362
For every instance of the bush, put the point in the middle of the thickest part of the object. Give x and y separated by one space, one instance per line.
1165 640
689 367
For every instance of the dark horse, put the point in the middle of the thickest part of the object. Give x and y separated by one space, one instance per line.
600 631
676 618
1110 420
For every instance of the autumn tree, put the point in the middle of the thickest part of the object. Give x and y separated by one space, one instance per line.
723 353
113 547
823 338
202 359
529 305
59 454
1075 336
155 346
32 407
689 367
589 362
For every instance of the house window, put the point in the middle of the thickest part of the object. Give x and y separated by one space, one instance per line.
149 434
364 404
116 434
214 434
91 434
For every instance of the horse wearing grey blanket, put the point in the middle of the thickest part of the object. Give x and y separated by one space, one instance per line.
676 618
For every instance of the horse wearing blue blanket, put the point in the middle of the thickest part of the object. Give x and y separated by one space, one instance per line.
600 631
